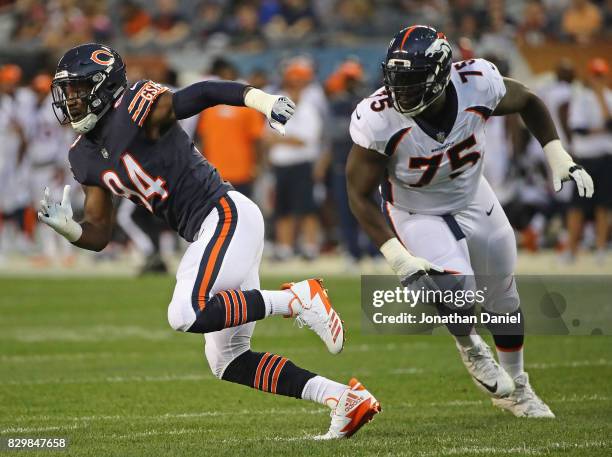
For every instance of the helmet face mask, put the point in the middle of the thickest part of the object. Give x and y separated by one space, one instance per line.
417 69
89 78
72 99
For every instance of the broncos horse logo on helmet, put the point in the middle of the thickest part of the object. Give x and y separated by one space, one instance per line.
88 79
417 68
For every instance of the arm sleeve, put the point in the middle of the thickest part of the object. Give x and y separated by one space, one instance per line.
192 99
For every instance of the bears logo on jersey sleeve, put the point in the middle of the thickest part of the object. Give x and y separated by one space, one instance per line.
374 121
480 82
146 94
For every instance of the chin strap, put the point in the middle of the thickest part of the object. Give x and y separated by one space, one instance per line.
86 124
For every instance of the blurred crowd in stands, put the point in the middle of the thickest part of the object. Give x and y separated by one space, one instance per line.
257 24
299 180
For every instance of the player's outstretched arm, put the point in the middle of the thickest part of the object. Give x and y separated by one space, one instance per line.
195 98
365 170
94 232
535 114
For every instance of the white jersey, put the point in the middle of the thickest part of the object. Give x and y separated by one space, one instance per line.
555 95
432 172
13 172
47 140
586 113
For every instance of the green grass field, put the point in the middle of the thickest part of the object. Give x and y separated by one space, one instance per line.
94 360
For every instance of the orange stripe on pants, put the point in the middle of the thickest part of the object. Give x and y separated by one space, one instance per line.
210 266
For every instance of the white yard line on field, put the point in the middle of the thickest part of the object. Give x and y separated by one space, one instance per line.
84 421
66 357
72 422
113 379
208 377
574 364
519 450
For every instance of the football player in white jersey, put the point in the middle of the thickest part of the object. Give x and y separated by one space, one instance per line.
422 136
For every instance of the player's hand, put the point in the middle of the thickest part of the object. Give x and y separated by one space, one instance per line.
408 267
417 269
564 169
277 108
282 110
58 216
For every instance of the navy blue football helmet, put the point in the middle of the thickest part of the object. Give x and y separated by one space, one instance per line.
88 80
417 68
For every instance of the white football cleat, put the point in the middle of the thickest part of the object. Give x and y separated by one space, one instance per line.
486 373
356 407
524 402
311 307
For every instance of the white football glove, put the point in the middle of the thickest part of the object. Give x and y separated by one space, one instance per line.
408 267
277 108
564 168
58 216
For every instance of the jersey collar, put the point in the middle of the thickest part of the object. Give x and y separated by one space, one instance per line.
442 130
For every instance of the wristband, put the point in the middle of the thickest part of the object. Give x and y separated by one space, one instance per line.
396 254
260 100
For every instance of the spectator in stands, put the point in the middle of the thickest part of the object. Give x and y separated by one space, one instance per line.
533 27
244 28
101 24
29 21
288 21
136 23
230 136
169 25
607 18
292 157
210 19
591 123
353 18
582 21
68 24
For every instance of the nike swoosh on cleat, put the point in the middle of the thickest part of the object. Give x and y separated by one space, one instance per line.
490 211
357 114
491 389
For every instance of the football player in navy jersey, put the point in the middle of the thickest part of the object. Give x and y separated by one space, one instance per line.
422 135
131 145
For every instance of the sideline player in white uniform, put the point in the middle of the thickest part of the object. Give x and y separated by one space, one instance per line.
47 143
422 135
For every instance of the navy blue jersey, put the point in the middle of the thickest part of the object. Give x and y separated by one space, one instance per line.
168 176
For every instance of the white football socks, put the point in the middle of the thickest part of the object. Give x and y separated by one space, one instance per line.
277 301
511 361
323 390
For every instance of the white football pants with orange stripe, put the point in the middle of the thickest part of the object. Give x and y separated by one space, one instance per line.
237 267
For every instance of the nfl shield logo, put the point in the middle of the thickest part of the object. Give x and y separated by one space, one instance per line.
104 153
440 136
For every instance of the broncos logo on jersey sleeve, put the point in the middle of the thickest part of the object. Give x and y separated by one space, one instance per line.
143 101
